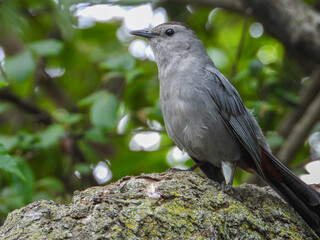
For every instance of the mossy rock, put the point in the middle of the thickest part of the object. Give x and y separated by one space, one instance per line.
169 205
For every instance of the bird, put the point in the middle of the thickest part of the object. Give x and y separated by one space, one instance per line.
205 116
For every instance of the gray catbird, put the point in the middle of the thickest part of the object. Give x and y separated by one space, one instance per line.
205 116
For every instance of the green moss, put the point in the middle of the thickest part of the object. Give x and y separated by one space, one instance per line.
185 206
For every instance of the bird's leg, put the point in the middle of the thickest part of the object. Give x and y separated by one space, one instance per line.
234 167
221 186
226 187
198 164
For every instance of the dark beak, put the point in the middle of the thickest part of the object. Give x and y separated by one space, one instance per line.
142 33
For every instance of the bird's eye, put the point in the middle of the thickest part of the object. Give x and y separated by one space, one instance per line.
169 32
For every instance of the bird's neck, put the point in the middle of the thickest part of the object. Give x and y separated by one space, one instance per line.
170 57
182 62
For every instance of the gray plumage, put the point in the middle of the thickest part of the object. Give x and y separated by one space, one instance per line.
190 100
205 116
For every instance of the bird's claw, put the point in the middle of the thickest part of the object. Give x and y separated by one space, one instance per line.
221 186
216 185
226 187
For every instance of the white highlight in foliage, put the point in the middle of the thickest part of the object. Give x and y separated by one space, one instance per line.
123 124
138 17
267 54
123 34
88 15
313 168
177 158
314 142
159 16
55 72
2 55
314 173
78 174
154 125
138 48
134 18
102 173
256 30
145 141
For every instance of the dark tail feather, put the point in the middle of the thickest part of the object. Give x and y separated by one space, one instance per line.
304 199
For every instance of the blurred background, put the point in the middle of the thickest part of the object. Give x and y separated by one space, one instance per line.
79 95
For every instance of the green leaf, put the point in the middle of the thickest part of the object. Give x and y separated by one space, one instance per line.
91 98
121 62
48 47
51 135
3 84
255 67
83 168
8 163
64 117
133 74
8 141
287 96
73 118
23 188
50 183
20 67
3 150
26 141
88 151
96 134
274 139
103 112
219 57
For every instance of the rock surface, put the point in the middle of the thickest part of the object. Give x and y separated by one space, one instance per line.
169 205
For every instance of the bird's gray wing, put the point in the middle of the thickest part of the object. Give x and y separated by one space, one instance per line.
235 115
242 124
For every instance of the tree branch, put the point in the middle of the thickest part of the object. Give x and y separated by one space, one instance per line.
307 94
300 131
240 46
41 116
55 92
297 26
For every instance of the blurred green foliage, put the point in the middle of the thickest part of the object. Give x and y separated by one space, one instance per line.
99 83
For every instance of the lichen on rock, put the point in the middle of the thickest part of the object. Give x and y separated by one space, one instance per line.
169 205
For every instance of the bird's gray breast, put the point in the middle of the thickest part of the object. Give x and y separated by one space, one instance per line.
192 121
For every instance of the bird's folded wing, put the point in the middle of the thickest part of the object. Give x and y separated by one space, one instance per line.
235 115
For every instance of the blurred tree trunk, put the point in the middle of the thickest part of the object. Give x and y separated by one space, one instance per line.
292 22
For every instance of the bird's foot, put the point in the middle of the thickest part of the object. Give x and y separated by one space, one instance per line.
226 187
221 186
215 184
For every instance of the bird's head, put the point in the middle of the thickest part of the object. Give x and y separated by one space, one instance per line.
170 40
